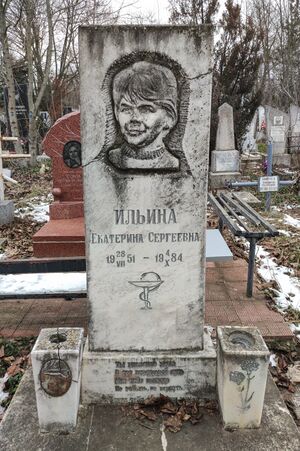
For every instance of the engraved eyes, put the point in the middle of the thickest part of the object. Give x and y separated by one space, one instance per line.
125 109
146 109
143 109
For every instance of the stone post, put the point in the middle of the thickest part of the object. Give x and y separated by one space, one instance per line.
56 363
225 160
242 362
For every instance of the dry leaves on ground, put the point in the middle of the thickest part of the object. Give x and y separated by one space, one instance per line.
174 413
18 236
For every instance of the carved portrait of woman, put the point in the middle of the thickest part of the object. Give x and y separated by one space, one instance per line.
145 107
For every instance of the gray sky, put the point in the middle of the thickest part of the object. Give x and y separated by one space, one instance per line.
138 7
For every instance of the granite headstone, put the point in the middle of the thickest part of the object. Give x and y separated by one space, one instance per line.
62 145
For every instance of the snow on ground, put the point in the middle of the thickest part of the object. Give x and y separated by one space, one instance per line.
3 395
292 221
38 208
295 328
284 232
42 283
288 294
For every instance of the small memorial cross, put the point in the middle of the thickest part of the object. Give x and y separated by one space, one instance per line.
265 184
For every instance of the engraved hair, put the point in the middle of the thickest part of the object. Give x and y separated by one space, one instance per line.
148 82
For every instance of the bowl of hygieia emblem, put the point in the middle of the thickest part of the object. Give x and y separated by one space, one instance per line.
148 280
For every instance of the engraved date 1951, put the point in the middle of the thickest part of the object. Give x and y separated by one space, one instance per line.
120 258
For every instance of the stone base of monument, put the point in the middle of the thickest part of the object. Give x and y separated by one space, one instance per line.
56 362
66 210
121 377
243 360
225 161
6 211
283 160
60 238
225 166
217 180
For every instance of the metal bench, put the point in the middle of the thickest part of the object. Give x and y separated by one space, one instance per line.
242 220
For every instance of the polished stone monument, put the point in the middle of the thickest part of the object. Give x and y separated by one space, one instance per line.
145 117
63 235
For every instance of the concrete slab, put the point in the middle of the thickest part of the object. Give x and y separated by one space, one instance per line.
106 428
248 197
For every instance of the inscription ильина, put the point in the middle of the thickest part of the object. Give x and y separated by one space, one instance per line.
145 107
149 281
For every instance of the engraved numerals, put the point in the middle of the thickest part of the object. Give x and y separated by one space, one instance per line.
168 257
120 258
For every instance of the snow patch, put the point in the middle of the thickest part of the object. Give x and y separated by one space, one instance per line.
295 328
289 286
284 232
275 208
42 283
38 208
3 395
272 360
294 222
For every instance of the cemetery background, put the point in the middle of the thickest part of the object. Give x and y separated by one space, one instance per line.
277 263
287 255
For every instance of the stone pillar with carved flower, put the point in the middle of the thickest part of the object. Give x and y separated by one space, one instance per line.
242 368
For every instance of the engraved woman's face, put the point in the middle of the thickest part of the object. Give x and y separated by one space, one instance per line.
73 153
142 122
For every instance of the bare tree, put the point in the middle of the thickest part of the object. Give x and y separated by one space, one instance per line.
192 12
35 95
8 71
279 24
44 34
236 68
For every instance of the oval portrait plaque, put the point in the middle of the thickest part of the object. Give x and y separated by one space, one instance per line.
55 377
72 154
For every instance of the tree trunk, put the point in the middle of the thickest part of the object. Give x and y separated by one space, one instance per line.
33 134
34 104
9 78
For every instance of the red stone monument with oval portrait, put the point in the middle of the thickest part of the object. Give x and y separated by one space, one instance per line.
63 235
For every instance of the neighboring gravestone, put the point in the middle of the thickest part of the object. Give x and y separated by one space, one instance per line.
225 160
145 114
294 135
294 142
277 131
63 235
62 145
